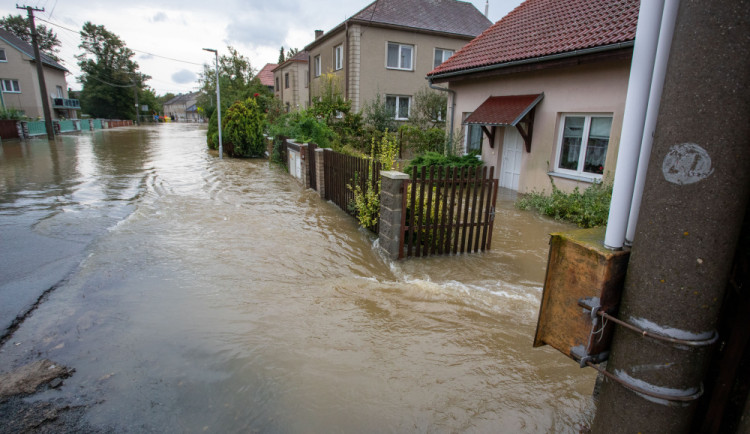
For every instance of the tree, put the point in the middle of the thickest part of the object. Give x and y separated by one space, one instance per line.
281 55
291 53
109 75
243 129
47 39
237 80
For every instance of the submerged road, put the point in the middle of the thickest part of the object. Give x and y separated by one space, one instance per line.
192 294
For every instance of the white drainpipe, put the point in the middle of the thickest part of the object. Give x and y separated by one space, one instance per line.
657 85
636 102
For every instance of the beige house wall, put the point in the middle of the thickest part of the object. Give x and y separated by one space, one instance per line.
297 94
367 51
595 88
376 78
20 67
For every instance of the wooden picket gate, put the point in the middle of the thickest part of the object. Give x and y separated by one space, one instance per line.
448 211
342 171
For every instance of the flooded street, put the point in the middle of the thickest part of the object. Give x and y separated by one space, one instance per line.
193 294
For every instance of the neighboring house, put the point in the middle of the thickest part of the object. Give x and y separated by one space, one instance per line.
541 94
20 84
182 107
265 75
388 47
292 82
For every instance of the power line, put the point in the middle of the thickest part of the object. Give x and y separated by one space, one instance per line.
133 49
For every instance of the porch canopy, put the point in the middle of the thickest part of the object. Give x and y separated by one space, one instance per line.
504 111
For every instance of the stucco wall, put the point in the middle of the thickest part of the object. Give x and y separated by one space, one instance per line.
368 74
597 88
296 95
20 67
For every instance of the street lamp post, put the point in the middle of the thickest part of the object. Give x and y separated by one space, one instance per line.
218 98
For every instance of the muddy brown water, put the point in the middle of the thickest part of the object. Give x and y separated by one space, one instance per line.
220 296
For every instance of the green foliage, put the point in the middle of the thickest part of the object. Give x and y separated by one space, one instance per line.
212 136
236 78
428 109
587 209
430 218
367 199
108 74
420 140
433 159
243 128
48 42
378 116
11 114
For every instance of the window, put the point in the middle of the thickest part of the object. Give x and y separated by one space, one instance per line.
441 55
316 64
397 106
2 55
399 56
338 57
277 84
474 138
11 86
286 80
583 144
59 91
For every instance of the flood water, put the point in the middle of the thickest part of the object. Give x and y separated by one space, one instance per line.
206 295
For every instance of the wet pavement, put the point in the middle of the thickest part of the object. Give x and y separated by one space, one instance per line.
192 294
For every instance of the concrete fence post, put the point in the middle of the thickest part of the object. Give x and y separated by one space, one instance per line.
391 209
19 128
91 125
24 132
320 172
56 126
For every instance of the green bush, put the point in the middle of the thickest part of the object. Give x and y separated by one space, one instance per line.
243 129
420 140
212 135
588 209
11 114
433 159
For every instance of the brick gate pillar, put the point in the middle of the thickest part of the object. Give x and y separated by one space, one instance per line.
320 172
391 210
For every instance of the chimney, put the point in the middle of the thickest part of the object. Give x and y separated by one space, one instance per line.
318 34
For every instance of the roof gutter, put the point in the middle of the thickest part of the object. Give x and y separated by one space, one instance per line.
453 106
585 51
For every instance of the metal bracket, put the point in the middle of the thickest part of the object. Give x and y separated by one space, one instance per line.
592 305
579 353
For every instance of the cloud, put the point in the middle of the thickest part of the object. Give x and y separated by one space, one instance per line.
184 76
159 17
254 32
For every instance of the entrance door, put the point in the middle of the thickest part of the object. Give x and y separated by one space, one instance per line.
510 170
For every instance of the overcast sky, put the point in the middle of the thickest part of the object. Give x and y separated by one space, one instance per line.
168 36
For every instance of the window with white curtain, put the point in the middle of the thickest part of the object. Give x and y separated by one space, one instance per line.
399 56
582 146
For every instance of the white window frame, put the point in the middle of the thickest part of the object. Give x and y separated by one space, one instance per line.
316 65
338 57
399 98
3 56
579 173
400 56
10 81
442 55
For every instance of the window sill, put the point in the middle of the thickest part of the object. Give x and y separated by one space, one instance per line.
580 178
399 69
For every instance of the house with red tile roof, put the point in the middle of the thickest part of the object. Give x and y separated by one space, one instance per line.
265 75
388 47
292 82
541 93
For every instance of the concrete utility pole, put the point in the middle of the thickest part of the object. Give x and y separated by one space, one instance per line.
40 71
695 199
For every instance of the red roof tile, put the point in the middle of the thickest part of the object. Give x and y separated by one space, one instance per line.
503 110
265 75
539 28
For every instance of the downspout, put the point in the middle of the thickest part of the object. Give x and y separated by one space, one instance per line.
636 103
452 108
657 85
346 60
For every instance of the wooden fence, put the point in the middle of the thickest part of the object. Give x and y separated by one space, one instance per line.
448 211
342 171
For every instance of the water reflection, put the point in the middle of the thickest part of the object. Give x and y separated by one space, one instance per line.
228 299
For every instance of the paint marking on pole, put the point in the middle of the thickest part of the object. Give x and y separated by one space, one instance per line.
686 163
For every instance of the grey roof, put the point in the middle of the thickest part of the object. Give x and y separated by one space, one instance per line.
182 98
28 49
442 16
446 16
